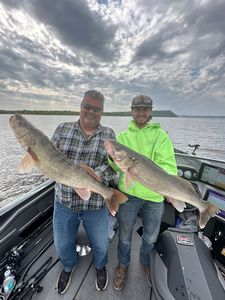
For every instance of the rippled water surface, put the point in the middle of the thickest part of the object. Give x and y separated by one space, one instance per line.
208 132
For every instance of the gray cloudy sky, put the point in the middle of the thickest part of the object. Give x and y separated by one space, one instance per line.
52 51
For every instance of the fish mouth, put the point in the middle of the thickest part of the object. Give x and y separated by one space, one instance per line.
113 150
15 124
12 121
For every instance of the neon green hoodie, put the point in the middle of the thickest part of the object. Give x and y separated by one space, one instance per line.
153 142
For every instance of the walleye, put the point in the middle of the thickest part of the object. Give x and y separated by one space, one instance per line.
143 170
42 154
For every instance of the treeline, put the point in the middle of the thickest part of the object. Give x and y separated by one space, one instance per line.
156 113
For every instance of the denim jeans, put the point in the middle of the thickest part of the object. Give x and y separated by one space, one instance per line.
151 213
65 228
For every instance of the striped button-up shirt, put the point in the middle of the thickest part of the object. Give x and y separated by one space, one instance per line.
90 151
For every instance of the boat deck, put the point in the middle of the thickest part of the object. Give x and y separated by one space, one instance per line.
83 281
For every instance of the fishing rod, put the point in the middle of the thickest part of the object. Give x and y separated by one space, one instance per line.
32 286
22 284
35 243
14 257
27 267
16 251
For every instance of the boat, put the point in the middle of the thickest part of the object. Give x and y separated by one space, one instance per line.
187 263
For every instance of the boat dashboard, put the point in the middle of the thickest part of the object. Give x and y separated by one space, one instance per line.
188 172
210 182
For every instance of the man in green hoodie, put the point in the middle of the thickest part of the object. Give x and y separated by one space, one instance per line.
151 140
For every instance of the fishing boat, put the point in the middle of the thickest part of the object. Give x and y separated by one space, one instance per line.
187 263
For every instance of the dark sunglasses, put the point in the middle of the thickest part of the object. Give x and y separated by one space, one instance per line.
88 107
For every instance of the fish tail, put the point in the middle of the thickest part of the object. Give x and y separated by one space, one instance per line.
116 199
207 213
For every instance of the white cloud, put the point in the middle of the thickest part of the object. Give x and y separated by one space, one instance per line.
175 53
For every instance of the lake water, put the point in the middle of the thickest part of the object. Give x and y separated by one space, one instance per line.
208 132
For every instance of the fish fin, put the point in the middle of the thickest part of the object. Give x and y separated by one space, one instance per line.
116 199
90 171
179 205
210 211
129 182
84 193
26 164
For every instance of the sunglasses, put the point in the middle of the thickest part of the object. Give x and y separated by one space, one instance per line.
88 107
141 102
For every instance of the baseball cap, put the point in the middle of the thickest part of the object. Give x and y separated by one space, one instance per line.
141 101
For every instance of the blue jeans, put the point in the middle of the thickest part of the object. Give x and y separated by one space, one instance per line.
65 228
151 213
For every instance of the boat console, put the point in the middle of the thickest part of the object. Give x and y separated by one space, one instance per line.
214 179
209 180
217 198
212 175
187 172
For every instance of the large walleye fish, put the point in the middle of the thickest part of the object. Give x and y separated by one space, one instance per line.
55 165
143 170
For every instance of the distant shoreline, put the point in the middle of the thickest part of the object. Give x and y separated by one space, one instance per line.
156 113
193 116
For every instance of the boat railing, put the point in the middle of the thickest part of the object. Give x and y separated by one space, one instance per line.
200 157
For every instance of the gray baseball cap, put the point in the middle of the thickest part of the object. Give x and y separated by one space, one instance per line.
142 101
